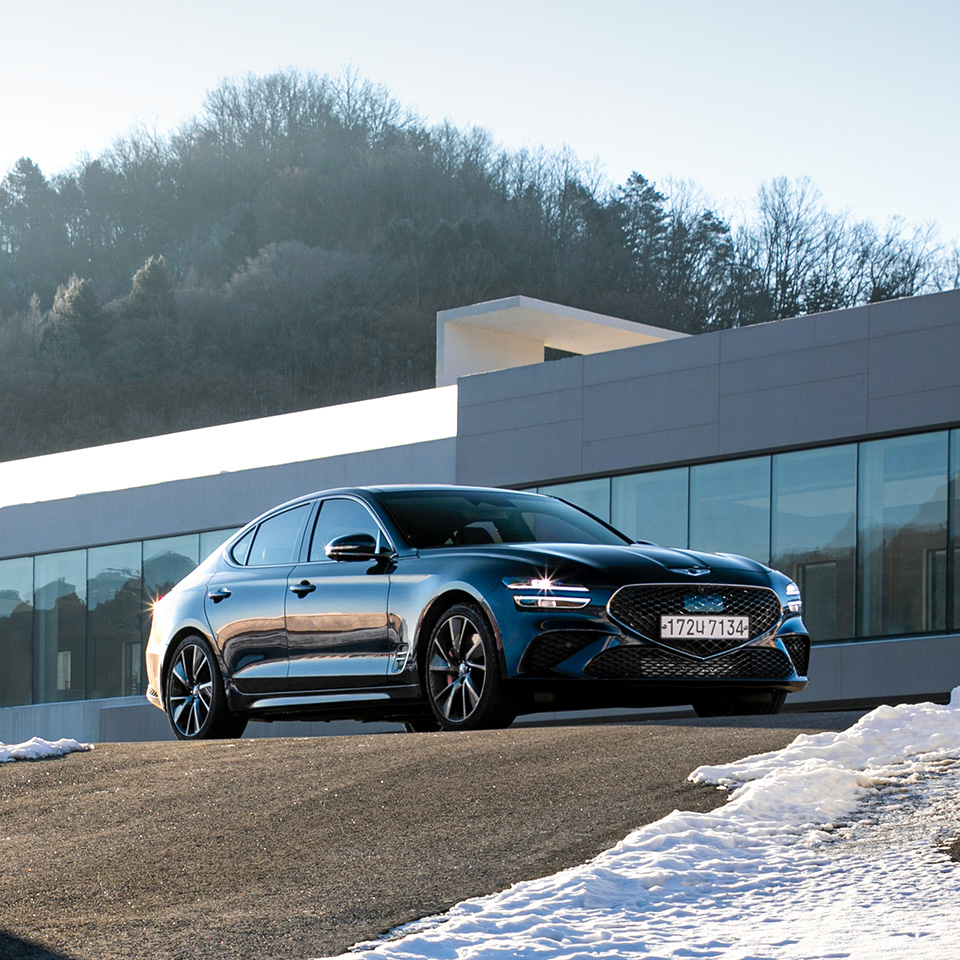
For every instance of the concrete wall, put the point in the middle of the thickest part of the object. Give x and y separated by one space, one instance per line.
881 669
886 368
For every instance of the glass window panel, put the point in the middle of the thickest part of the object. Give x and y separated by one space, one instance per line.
278 538
60 626
902 530
730 507
813 534
114 608
241 548
166 562
337 518
652 506
16 631
592 495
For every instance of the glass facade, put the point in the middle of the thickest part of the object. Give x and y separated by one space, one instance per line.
592 495
730 507
60 626
114 604
73 625
632 496
813 536
870 531
16 630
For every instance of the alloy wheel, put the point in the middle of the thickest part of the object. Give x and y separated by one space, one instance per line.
190 696
457 668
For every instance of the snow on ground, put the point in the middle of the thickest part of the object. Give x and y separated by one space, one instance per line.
39 749
834 847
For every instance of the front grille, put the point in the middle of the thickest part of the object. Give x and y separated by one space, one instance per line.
549 649
639 608
799 649
652 663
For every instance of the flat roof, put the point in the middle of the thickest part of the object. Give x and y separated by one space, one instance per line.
345 428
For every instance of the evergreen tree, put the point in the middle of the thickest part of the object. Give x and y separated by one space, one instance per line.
151 293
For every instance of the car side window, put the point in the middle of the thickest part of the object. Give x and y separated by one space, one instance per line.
339 517
277 538
242 547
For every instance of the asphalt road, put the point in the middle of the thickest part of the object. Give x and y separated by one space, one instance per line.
300 848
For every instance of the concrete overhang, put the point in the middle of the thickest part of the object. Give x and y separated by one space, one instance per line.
514 331
347 428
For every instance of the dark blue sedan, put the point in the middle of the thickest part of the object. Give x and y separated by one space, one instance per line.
458 608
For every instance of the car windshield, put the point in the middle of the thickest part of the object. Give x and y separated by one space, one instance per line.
452 518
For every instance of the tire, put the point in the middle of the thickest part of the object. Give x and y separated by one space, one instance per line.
740 705
462 678
196 704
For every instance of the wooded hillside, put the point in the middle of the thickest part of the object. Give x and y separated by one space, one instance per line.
291 245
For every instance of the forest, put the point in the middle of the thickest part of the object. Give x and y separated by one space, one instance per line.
290 246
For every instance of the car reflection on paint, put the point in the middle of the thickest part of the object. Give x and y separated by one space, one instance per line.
459 608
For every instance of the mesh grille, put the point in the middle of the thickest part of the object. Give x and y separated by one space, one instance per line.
633 662
799 649
640 607
549 649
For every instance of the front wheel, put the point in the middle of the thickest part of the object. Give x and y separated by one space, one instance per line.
196 702
463 680
740 705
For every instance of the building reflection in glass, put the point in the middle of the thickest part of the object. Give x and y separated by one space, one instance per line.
60 626
813 534
16 631
114 648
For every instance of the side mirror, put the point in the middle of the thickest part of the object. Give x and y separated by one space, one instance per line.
352 546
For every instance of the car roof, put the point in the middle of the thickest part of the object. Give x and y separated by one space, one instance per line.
389 488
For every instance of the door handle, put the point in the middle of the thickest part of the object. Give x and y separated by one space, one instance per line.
302 588
217 595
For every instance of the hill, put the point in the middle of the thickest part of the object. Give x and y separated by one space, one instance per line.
289 247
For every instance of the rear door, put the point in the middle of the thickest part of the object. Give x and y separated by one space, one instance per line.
246 600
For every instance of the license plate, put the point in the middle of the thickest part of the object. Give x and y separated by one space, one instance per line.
672 628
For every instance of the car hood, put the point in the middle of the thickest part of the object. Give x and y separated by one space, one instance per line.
626 564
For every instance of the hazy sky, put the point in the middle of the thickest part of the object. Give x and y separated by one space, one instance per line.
859 95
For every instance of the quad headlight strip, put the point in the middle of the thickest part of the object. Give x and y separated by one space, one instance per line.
550 595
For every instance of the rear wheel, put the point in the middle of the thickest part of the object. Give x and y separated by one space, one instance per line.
196 702
462 676
740 704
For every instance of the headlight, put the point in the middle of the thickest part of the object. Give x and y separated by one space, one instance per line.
549 594
794 604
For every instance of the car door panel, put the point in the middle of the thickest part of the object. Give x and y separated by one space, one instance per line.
338 631
248 624
338 635
246 602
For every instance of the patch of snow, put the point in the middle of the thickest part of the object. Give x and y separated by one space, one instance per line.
38 749
829 848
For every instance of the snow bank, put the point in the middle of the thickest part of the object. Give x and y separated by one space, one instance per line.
38 749
769 875
908 734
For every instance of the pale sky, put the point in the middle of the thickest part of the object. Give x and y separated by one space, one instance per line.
859 95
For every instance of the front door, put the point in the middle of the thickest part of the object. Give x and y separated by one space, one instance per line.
338 632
